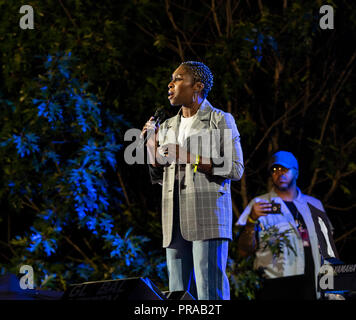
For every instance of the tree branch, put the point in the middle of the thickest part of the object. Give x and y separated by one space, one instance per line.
244 191
86 258
260 6
176 28
9 246
228 18
31 204
340 82
333 187
213 9
275 123
238 71
69 17
235 209
346 234
123 188
340 209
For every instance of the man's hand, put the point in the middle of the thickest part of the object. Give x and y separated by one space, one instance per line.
260 209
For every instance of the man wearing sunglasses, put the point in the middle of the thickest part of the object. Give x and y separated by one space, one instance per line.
300 216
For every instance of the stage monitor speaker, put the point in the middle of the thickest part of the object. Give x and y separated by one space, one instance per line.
121 289
179 295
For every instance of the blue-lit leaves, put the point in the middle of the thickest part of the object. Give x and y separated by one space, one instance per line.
67 104
88 182
64 71
63 98
98 155
47 278
84 271
36 239
109 153
52 220
106 223
48 62
51 155
87 109
49 109
67 151
161 269
11 184
40 242
91 155
115 276
259 41
5 143
91 223
128 248
49 246
257 45
48 215
116 242
63 67
89 191
26 143
273 43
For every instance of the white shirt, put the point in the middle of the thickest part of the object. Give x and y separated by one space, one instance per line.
185 129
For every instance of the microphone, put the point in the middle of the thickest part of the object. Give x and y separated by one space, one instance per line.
159 116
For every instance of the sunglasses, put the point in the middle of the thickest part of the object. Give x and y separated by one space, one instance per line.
279 170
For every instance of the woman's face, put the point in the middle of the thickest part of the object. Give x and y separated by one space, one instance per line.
181 89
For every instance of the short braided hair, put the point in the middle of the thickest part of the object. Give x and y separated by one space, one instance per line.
200 73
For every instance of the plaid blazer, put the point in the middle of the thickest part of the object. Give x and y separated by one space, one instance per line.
204 199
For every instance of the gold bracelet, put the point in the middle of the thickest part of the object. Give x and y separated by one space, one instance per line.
197 158
251 220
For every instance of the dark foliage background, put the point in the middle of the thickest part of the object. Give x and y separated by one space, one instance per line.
90 70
